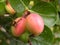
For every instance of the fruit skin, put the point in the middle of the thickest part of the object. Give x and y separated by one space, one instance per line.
35 23
19 27
9 9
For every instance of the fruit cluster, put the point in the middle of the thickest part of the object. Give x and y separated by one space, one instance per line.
32 21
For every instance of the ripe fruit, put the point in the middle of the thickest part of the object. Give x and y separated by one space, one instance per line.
9 9
19 27
35 23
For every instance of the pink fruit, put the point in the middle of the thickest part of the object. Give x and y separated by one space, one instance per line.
19 27
35 23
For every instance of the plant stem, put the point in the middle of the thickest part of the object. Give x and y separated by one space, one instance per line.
29 42
24 5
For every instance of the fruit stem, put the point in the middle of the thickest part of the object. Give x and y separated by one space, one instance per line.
26 13
24 4
32 35
7 2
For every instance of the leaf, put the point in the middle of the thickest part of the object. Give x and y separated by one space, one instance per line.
58 21
2 7
6 21
1 35
46 10
54 2
58 5
2 0
14 42
18 6
56 30
3 42
27 2
22 43
56 41
46 38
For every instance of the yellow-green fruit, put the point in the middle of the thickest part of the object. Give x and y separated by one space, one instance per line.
31 3
19 27
9 9
35 23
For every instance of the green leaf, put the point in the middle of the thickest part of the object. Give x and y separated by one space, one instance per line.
54 2
2 7
46 38
56 41
47 11
14 42
27 3
22 43
58 6
2 0
3 42
56 30
58 21
18 6
6 21
1 35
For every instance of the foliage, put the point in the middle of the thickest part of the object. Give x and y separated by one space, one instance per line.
49 10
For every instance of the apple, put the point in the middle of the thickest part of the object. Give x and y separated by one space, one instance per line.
35 23
19 27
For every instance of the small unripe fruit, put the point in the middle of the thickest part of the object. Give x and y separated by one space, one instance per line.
9 8
31 3
19 27
35 23
24 37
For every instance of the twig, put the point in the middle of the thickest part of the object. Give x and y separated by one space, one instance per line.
29 42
